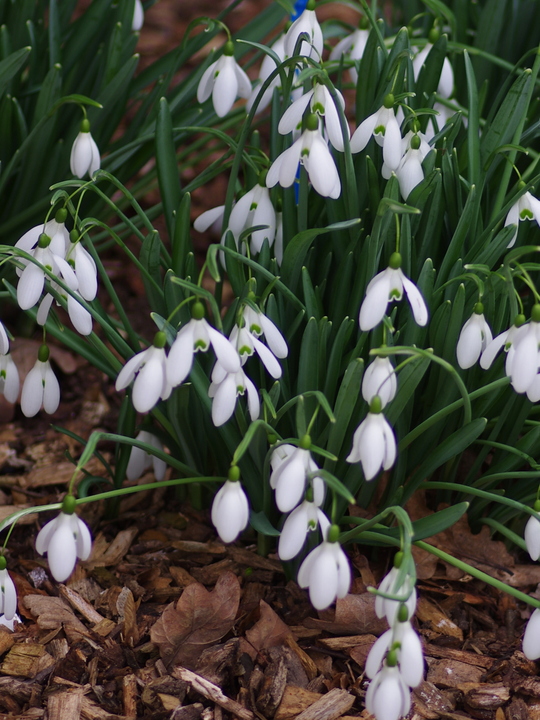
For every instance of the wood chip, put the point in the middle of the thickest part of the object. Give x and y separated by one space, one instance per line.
294 701
65 704
129 695
212 692
460 655
78 603
429 613
331 706
487 697
23 660
452 673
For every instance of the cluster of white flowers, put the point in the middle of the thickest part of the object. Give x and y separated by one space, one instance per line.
395 662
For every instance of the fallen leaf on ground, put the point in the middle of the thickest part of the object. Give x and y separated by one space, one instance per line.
199 619
268 631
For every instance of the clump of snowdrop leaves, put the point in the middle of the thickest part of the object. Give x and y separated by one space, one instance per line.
374 443
40 387
388 286
224 80
64 539
311 150
527 207
140 461
326 572
197 336
148 371
230 509
85 157
8 592
475 336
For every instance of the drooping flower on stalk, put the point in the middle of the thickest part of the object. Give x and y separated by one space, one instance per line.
224 80
305 518
353 47
85 156
224 391
230 508
140 460
9 378
384 127
289 477
251 210
326 572
64 539
445 87
148 371
374 443
307 23
379 379
40 387
527 207
8 592
268 66
475 336
532 534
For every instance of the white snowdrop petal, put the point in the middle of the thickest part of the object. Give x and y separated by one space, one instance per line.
416 301
79 316
323 579
224 401
11 381
489 354
274 339
446 82
411 658
372 447
180 358
225 352
293 533
225 87
206 83
532 537
148 384
344 572
292 117
390 447
30 286
51 391
374 305
469 345
138 462
8 595
208 218
61 551
244 83
362 134
86 272
32 392
392 153
322 169
291 482
130 369
377 654
288 165
531 638
83 539
525 363
45 534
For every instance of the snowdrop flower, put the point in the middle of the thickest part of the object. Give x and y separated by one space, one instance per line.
352 45
210 218
379 379
32 279
445 87
527 207
523 359
374 444
64 539
246 344
385 607
40 387
253 209
506 339
224 80
290 468
259 324
9 378
326 571
148 370
4 340
85 156
532 534
388 697
268 66
410 172
531 638
312 151
84 266
320 102
306 23
388 286
54 229
384 127
140 460
230 509
225 388
138 16
475 336
8 592
402 639
302 520
197 335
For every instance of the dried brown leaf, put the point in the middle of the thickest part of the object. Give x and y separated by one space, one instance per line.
198 620
269 630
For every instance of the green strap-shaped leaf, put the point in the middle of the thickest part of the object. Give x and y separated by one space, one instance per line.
167 166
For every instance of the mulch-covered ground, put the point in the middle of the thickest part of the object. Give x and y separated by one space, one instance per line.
164 621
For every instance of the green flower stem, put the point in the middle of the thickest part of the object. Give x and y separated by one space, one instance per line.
401 350
510 449
364 525
493 497
506 532
470 570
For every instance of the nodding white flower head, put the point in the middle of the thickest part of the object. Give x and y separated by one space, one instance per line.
302 520
532 534
397 584
138 16
374 444
384 127
40 387
474 337
388 697
32 278
527 207
505 340
306 23
253 209
523 358
8 592
379 379
531 638
321 103
149 371
197 335
388 286
55 229
246 344
410 172
140 460
289 477
225 389
445 87
85 156
9 378
259 324
268 66
326 571
312 151
224 80
352 45
64 539
230 509
404 641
